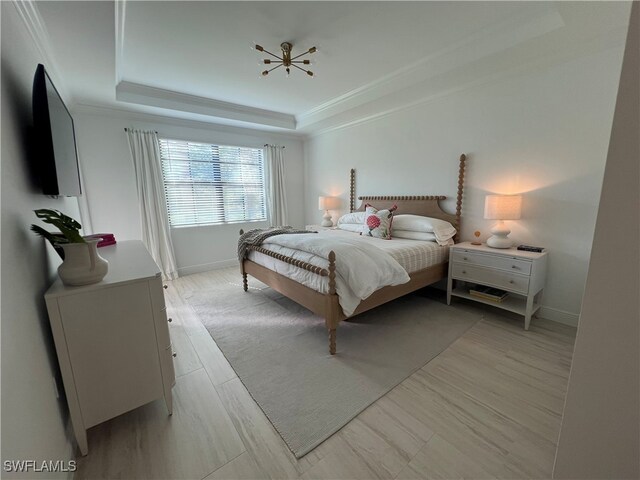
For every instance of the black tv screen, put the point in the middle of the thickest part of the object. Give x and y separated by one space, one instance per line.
55 139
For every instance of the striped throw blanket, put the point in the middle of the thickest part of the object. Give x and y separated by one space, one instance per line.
256 236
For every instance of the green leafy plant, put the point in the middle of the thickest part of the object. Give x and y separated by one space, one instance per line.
69 229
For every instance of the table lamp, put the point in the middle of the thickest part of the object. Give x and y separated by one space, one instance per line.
326 204
501 207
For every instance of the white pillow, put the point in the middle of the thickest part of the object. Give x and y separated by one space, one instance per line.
418 223
442 229
411 235
351 227
424 236
352 218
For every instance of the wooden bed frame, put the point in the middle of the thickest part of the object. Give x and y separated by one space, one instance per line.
326 305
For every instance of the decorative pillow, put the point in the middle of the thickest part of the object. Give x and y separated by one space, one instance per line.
411 235
352 218
442 229
378 222
352 227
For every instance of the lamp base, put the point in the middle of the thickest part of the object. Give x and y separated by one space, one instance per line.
326 219
500 239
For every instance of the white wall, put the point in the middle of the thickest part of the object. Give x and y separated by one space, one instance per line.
33 419
109 177
543 134
600 434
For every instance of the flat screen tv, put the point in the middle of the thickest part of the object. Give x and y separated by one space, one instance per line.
55 140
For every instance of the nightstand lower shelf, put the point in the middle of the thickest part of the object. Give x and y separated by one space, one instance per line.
513 303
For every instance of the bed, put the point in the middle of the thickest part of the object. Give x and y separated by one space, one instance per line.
315 285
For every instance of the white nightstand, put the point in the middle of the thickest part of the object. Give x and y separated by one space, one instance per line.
520 273
317 228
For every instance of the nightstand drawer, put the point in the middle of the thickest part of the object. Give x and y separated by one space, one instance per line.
501 262
495 278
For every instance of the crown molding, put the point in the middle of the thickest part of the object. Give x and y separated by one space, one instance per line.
123 113
28 12
500 37
158 97
535 21
611 40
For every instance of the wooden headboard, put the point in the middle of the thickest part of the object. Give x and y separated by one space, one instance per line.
425 205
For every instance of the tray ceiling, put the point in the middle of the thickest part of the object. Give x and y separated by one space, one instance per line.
195 60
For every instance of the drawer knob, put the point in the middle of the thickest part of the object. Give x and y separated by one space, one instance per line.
514 266
464 271
510 281
165 286
175 355
465 258
169 319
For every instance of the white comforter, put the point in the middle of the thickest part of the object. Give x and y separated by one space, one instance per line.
361 268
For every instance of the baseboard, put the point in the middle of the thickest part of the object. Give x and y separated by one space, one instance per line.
205 267
559 316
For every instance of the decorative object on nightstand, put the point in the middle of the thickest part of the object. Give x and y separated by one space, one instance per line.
326 204
530 248
477 240
520 273
501 207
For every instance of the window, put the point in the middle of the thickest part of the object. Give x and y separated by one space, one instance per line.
208 184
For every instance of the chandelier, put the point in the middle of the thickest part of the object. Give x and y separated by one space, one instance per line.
286 60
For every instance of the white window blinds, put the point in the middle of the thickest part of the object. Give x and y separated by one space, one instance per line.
209 184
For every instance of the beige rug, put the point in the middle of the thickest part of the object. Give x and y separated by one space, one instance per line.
280 352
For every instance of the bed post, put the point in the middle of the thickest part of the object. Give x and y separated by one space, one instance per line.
463 159
245 283
332 309
352 191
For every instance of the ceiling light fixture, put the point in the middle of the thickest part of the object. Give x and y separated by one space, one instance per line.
286 60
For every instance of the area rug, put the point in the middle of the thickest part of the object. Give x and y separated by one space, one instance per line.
280 352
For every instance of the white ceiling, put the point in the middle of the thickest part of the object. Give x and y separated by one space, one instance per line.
204 48
194 59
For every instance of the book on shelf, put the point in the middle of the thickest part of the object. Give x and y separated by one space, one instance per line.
106 239
489 293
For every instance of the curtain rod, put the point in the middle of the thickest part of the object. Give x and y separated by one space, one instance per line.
266 144
126 130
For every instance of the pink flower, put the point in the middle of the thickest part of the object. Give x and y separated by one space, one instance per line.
373 222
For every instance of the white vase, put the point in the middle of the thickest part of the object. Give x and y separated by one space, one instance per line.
82 264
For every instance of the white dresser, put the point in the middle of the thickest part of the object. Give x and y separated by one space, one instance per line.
112 339
520 273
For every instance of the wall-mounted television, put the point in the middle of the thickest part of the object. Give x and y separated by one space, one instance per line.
55 140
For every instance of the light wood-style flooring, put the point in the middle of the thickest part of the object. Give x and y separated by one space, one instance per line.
488 407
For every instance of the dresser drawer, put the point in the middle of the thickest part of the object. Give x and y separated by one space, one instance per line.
159 312
495 278
166 364
157 293
502 262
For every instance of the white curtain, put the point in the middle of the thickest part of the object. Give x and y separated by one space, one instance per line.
145 152
276 193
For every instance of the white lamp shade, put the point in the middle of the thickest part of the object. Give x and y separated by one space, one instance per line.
328 203
502 207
